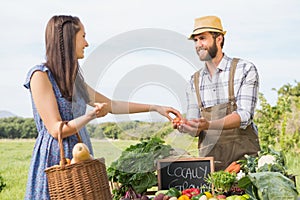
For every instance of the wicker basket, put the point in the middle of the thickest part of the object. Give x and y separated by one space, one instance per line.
85 180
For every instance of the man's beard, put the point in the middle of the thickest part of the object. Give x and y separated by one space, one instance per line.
210 54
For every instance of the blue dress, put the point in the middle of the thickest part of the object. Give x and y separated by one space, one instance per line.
46 150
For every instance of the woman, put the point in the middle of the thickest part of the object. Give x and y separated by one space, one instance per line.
54 99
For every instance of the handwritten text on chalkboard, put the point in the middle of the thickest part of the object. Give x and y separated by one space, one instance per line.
184 173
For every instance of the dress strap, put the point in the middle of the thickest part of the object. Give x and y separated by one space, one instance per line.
42 68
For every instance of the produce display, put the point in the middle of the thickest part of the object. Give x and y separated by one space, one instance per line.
135 170
266 177
262 177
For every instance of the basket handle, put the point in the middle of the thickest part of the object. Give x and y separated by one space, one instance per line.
60 143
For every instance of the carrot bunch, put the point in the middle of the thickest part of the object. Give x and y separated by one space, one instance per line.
234 167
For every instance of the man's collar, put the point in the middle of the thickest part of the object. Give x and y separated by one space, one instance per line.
221 67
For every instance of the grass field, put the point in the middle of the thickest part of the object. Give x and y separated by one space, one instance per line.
15 160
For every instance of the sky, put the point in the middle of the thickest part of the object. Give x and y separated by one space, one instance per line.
138 49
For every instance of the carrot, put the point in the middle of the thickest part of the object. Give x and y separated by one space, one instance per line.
237 168
233 167
230 167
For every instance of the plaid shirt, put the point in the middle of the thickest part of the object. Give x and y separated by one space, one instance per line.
214 90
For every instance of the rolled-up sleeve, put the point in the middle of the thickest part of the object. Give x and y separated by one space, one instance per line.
247 95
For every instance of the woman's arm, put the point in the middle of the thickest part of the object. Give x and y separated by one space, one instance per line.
46 105
123 107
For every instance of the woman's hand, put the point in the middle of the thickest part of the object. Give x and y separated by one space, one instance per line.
165 111
99 110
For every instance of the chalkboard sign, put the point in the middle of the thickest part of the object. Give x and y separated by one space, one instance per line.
183 173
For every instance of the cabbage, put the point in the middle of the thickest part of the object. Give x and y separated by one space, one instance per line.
269 186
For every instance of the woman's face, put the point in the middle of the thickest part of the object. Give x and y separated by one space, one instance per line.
81 42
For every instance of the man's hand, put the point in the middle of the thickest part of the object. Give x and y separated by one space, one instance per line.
177 121
194 127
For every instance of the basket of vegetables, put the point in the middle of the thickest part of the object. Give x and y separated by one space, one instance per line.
83 177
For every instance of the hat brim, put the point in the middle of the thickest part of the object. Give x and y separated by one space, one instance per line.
199 31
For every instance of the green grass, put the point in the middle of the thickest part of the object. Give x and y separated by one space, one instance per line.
110 150
15 160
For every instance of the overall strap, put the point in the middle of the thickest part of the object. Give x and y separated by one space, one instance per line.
231 81
197 89
230 84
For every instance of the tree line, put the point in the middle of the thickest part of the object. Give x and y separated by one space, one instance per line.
17 127
277 124
25 128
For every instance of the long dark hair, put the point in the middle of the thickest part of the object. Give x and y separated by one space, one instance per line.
61 55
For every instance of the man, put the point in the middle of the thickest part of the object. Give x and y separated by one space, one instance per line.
221 98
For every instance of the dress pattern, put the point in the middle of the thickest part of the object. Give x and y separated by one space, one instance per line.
46 148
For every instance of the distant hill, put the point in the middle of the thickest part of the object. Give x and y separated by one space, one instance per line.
5 114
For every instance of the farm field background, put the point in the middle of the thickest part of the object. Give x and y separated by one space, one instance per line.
15 160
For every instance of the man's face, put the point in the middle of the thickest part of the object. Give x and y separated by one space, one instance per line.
206 46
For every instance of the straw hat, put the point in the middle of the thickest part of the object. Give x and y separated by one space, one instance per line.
207 23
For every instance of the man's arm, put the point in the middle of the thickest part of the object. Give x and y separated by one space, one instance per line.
195 126
247 96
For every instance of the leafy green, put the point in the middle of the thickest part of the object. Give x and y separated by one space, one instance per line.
250 163
221 180
268 186
266 176
136 166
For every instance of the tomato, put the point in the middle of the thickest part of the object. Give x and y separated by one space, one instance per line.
176 120
179 121
190 192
